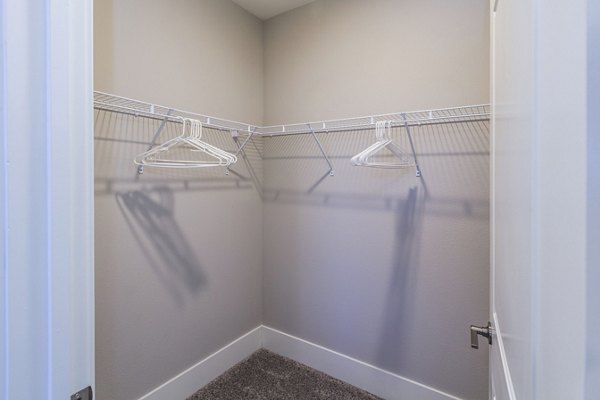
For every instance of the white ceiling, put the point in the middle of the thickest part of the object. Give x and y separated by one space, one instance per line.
265 9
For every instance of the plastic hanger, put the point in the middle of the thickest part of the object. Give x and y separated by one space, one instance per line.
365 157
190 138
196 136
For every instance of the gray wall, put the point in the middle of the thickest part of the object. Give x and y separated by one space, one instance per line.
197 55
178 255
378 264
346 58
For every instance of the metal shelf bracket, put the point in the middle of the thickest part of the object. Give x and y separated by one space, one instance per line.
314 135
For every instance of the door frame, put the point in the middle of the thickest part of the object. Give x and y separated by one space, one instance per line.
46 199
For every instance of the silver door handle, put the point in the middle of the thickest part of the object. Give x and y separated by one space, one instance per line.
485 331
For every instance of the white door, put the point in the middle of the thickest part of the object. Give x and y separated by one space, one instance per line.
46 200
537 306
512 152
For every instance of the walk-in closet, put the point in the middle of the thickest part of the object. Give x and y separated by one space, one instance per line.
299 200
380 257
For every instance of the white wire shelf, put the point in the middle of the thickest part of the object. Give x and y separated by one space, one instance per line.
124 105
479 112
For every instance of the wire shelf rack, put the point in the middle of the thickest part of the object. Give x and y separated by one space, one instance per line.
113 103
124 105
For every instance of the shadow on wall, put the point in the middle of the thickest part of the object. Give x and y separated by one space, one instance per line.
146 202
399 307
151 220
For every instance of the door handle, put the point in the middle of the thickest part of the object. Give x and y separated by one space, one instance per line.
485 331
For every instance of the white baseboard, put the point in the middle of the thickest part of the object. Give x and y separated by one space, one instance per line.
189 381
362 375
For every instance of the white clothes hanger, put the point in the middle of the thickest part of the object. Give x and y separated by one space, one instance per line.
196 136
190 138
359 159
365 157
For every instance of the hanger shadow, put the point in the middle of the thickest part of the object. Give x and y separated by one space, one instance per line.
150 217
399 307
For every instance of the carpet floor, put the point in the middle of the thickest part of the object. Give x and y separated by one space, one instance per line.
268 376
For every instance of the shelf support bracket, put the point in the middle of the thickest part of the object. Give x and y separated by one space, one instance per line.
235 134
140 169
252 132
412 146
314 135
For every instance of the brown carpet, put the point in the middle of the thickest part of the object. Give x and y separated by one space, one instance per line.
268 376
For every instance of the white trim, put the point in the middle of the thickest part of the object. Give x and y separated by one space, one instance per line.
355 372
491 388
506 370
197 376
3 212
69 182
